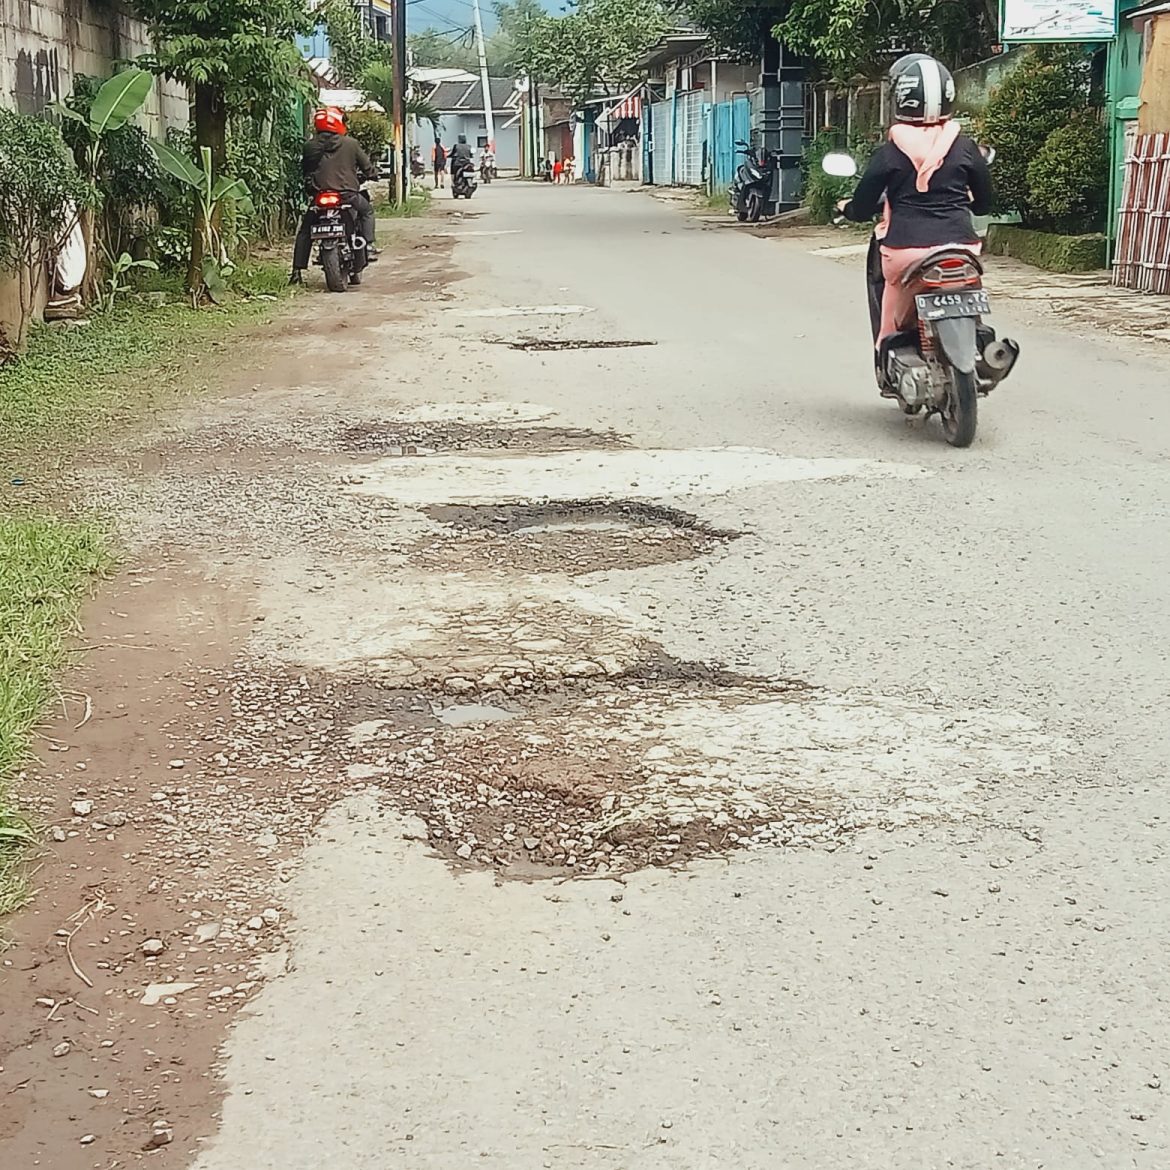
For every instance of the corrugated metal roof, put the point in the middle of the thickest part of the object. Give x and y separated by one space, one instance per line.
456 96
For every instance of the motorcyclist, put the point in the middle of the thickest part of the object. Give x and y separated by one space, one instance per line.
332 161
461 156
487 163
932 177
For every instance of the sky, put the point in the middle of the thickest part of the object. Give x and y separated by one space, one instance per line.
450 14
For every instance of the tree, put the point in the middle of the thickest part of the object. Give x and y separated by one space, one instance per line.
435 49
592 48
236 55
510 48
847 38
377 84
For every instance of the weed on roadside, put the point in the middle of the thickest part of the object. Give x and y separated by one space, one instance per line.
45 566
75 377
416 204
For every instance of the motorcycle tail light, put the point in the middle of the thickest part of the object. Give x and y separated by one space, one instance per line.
953 271
328 199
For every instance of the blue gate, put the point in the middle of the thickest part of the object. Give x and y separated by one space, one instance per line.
730 122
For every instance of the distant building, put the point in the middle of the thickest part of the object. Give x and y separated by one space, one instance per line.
461 111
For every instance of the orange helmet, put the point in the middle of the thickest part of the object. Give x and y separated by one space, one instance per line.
330 118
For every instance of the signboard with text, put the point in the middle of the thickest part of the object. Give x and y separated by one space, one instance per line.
1058 20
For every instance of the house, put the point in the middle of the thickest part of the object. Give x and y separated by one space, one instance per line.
461 111
696 104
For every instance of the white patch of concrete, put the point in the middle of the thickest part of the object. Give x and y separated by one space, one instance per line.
607 475
866 759
841 250
527 311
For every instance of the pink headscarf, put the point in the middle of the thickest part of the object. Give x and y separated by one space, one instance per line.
925 146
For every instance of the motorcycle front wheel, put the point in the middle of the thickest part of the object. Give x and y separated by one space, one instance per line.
331 265
962 414
755 206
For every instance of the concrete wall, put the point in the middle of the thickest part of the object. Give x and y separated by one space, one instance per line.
44 44
975 83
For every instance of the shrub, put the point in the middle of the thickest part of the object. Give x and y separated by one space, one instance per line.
1050 86
1047 250
822 192
372 131
1068 180
39 184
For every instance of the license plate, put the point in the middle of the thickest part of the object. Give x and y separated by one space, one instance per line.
328 231
936 306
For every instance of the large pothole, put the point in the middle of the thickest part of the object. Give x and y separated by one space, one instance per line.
609 777
574 537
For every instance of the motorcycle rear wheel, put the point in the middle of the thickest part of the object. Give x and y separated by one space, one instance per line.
962 417
331 265
755 206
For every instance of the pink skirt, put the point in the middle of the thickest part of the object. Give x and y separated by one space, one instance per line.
898 302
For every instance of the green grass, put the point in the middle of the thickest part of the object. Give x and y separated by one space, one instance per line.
45 566
416 204
75 379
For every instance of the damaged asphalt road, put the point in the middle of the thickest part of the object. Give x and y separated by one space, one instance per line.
578 753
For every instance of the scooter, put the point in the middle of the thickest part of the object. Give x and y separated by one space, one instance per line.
463 181
752 187
945 358
341 252
487 172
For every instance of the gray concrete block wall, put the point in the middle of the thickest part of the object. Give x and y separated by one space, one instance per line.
46 43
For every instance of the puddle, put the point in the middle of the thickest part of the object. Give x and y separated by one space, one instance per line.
472 714
570 516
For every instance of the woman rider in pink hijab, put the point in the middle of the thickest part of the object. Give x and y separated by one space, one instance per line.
932 176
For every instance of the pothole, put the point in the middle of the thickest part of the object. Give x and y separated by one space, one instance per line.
612 775
574 537
407 437
550 345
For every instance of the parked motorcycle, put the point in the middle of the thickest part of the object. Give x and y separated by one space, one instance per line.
463 181
946 358
751 189
341 252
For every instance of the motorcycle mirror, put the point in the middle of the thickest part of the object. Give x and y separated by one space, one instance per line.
839 164
740 142
988 153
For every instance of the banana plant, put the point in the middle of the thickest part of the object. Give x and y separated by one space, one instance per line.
209 194
117 101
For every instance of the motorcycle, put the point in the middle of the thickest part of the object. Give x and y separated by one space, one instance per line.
463 181
946 358
341 252
751 189
487 171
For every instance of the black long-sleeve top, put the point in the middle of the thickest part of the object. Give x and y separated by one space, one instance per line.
924 219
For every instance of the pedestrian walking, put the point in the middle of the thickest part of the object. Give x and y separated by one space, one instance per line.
439 160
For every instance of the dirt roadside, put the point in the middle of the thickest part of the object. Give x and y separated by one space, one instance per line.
177 789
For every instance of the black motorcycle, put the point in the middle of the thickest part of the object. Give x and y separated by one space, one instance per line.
341 252
751 190
463 180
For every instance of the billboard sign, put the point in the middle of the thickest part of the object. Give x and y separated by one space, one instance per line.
1058 20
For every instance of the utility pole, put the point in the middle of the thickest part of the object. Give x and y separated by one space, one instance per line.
488 114
398 114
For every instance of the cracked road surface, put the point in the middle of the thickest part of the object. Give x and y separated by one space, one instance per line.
657 756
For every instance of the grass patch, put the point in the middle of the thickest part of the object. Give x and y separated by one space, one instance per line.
719 201
416 204
74 379
45 565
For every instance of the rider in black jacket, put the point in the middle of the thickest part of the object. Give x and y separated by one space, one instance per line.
332 161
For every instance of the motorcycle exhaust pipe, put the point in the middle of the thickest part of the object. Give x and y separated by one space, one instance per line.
999 358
